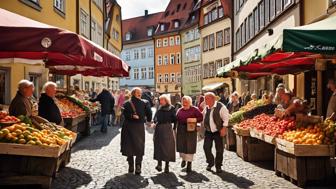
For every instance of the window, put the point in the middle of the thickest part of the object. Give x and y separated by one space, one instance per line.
159 78
172 59
150 51
251 20
267 12
247 30
162 27
128 36
209 17
143 53
193 54
176 24
127 55
219 64
242 29
166 78
178 77
178 40
256 20
212 72
165 42
99 3
136 54
220 12
238 39
206 21
226 61
278 7
149 32
117 18
159 60
172 77
287 3
197 33
172 41
165 60
219 39
84 26
158 43
151 73
205 70
272 10
178 58
136 73
205 44
59 5
143 73
214 14
227 38
178 7
211 41
261 14
115 34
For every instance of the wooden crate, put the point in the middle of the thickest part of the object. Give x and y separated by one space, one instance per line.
230 139
251 149
72 123
31 150
301 169
269 139
240 131
305 150
28 170
84 127
256 134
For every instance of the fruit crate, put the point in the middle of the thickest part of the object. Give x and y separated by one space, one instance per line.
24 167
251 149
256 134
300 169
230 139
72 123
240 131
305 150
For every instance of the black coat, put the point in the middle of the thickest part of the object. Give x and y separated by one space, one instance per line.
164 141
148 96
48 109
133 130
107 102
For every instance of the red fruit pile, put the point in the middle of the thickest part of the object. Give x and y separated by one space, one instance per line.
9 119
268 125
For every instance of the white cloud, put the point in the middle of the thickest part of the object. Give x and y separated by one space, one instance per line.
134 8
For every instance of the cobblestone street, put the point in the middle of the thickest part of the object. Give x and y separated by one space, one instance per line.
97 163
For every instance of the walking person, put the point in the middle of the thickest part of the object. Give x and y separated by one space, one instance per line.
186 138
136 113
164 141
234 104
216 118
107 104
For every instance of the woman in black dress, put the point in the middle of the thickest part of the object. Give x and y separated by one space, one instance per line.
164 141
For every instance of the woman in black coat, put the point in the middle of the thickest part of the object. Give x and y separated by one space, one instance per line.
47 107
164 141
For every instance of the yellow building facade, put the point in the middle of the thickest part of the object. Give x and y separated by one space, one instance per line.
85 17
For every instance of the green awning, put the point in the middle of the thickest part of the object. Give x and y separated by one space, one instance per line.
319 37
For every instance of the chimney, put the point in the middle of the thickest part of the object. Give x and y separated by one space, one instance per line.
146 12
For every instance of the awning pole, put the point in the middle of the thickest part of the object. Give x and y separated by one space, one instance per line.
68 85
320 66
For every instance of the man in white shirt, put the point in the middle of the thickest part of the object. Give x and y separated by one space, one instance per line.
216 118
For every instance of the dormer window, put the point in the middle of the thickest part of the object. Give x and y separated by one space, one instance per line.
128 36
176 24
178 7
149 32
162 27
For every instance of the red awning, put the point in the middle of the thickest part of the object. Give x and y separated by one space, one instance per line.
22 37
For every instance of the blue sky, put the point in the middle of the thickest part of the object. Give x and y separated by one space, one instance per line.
134 8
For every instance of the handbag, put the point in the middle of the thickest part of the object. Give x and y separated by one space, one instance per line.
191 124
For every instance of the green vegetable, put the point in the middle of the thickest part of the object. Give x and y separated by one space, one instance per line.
236 117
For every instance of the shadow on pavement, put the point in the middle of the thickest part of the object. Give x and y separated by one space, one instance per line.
240 182
127 181
97 140
71 178
167 180
194 177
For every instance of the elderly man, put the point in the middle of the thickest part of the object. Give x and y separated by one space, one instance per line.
136 112
21 104
216 118
47 107
332 101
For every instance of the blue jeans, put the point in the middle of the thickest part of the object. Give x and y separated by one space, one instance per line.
103 120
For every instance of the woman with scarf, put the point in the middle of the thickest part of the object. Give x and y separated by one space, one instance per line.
164 141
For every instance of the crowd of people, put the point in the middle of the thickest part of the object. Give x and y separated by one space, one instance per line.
178 120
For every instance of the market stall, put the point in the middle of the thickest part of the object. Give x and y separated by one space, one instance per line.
32 153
